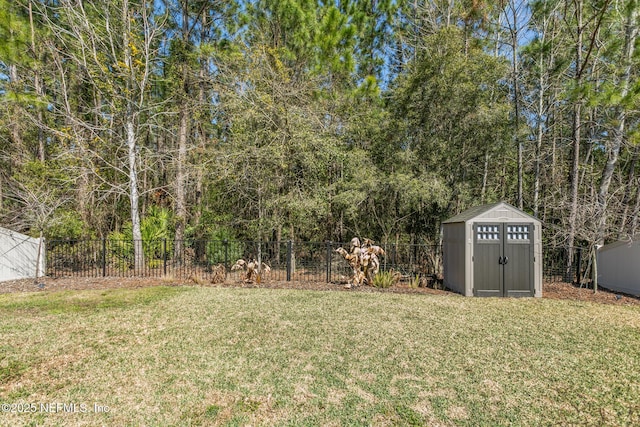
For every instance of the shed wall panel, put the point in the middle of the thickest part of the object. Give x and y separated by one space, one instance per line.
454 241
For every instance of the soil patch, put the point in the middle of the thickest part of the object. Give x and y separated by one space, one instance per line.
550 290
577 293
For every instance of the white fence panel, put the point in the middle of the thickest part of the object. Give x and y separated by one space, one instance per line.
19 256
619 267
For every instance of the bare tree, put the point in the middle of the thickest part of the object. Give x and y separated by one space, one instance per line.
585 27
113 48
542 53
515 13
35 209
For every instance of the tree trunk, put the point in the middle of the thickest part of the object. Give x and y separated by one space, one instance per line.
539 130
37 80
183 134
516 107
181 207
138 254
202 136
134 196
576 140
618 133
14 114
485 177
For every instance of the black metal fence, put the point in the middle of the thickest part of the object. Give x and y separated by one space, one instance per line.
563 265
289 261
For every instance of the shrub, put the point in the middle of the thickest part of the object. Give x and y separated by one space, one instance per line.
211 232
67 225
415 282
386 279
216 251
155 227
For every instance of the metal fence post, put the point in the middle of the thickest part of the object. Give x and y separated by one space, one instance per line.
104 257
395 256
289 253
225 243
329 245
579 266
164 256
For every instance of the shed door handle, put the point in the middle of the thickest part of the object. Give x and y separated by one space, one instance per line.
505 260
500 260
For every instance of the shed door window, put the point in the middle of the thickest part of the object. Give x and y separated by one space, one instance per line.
517 232
488 232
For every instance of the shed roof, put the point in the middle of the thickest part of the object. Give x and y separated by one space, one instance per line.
483 209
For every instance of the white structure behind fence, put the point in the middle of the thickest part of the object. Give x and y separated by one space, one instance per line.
619 266
19 256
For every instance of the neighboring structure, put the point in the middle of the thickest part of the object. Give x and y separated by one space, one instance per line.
19 256
619 266
493 250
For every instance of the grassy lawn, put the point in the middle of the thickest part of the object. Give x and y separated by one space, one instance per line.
213 356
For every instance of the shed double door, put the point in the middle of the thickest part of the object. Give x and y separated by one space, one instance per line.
503 259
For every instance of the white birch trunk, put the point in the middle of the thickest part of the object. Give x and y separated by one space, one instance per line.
134 196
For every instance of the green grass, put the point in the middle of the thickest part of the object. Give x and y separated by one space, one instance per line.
74 301
214 356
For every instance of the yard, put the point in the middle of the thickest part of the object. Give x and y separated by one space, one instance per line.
190 355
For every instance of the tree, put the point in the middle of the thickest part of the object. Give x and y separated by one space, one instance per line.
277 148
454 113
37 206
583 26
198 29
542 57
515 12
109 50
622 99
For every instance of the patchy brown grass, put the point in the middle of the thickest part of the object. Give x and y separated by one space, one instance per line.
196 355
558 290
88 283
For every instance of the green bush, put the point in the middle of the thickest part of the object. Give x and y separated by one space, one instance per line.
386 279
157 231
214 235
216 251
156 227
415 282
67 225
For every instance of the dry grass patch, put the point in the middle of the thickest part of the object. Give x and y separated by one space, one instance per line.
217 356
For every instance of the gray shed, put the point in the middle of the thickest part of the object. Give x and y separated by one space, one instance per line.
493 250
619 266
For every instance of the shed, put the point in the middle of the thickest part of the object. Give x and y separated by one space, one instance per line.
19 256
619 266
493 250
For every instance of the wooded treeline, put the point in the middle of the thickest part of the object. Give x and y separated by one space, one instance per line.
317 120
